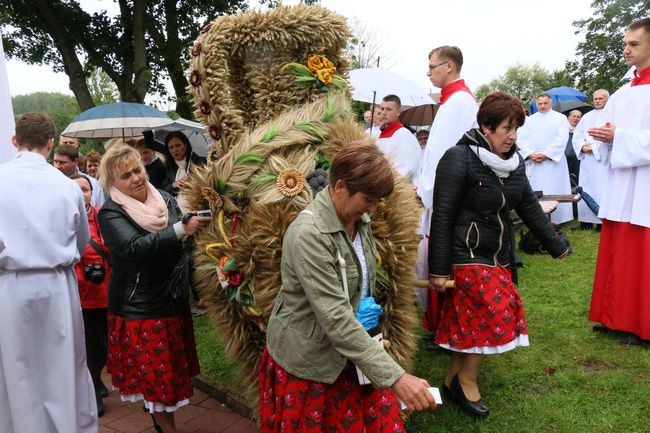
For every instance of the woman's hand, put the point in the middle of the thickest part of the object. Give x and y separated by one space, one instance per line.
414 392
437 283
181 183
195 223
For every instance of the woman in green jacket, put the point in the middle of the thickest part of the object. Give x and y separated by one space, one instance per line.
307 376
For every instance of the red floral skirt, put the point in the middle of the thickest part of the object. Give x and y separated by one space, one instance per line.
289 404
483 313
621 295
155 358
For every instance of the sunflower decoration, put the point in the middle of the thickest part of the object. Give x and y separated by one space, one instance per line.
319 71
282 178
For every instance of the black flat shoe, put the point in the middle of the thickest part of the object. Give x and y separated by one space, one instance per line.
600 328
446 393
100 407
477 408
632 340
103 391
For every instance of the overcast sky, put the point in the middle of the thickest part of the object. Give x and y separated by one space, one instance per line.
493 35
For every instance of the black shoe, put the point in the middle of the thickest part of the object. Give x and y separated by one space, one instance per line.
446 393
103 391
100 407
600 328
632 340
477 408
155 425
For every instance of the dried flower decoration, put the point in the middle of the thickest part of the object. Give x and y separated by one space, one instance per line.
212 197
290 182
319 71
195 78
206 28
196 50
205 107
215 132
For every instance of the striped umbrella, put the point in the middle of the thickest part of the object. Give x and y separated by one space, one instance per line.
120 119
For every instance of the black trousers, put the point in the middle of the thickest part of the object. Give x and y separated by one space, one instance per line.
96 332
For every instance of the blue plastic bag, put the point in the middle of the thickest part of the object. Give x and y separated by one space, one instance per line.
369 313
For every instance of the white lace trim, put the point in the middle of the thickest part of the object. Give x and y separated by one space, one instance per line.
520 341
153 406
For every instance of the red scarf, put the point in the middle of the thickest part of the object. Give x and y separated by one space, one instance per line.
451 88
388 130
642 77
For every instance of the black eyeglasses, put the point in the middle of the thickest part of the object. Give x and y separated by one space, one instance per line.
432 67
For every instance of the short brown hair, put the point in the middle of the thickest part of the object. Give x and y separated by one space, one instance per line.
118 156
67 150
500 106
450 54
642 23
544 95
393 98
93 156
34 130
363 168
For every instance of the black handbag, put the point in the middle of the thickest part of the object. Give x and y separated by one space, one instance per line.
178 284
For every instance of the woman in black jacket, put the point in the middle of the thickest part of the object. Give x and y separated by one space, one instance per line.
179 159
478 182
151 352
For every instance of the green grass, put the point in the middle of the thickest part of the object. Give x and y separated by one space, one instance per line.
569 380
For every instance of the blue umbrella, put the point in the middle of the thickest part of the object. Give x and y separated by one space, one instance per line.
120 119
589 200
563 93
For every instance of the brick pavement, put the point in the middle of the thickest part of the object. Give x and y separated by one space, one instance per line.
203 415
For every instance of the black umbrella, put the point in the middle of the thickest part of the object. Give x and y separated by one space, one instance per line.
568 105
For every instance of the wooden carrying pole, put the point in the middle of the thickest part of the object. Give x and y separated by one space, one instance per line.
425 283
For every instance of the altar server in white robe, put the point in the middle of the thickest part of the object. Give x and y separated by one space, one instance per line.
398 143
593 173
456 116
542 141
45 386
621 293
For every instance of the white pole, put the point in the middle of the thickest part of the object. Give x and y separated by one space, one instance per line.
7 124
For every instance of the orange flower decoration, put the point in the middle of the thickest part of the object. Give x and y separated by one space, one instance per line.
325 76
290 182
314 63
212 197
328 65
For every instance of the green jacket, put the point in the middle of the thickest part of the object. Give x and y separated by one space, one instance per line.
313 332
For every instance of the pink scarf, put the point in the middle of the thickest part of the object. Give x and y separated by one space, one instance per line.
150 215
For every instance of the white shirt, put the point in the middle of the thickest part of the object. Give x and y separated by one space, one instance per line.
547 133
593 174
403 150
627 190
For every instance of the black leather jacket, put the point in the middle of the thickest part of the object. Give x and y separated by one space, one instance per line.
470 222
142 263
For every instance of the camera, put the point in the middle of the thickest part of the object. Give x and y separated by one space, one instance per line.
94 273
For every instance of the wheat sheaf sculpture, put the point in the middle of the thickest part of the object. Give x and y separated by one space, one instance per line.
270 86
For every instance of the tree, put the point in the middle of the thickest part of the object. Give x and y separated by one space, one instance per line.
61 108
138 48
599 59
102 89
365 48
523 81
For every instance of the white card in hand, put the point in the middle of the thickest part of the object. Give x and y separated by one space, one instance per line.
435 392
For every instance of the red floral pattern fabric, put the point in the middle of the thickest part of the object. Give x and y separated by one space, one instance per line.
289 404
154 357
483 309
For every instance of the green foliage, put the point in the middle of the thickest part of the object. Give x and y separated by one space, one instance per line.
570 379
248 158
220 185
524 81
61 108
102 89
263 179
270 134
312 129
599 59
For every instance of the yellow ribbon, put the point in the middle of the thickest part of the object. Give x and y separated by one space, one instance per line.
226 240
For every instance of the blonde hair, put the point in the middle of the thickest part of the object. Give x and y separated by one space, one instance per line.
118 157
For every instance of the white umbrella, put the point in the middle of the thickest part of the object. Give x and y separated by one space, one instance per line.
120 119
372 84
194 131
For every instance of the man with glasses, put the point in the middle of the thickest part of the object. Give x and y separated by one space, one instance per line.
457 115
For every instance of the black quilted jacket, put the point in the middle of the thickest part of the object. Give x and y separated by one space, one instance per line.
470 222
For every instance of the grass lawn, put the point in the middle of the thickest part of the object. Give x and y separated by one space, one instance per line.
569 380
